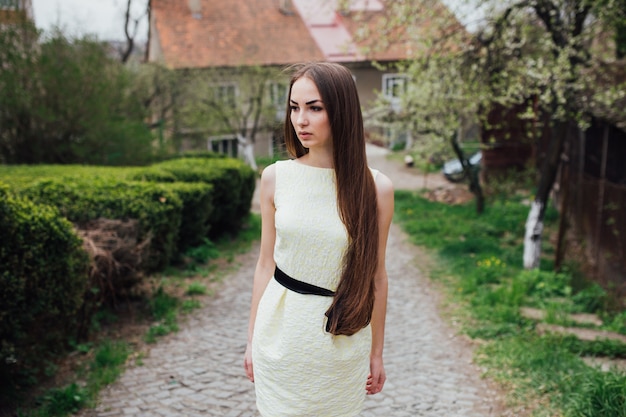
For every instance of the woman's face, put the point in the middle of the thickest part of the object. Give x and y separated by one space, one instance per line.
308 115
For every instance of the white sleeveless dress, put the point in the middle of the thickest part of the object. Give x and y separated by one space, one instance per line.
299 368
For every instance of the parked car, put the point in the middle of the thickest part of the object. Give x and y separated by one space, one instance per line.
453 169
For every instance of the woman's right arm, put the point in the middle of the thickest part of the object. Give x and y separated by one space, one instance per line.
265 265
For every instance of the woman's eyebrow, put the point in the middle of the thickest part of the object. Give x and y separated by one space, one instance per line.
308 102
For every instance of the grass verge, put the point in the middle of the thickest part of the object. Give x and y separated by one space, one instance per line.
480 267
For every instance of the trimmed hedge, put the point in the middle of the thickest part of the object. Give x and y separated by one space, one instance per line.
157 207
233 186
72 189
201 154
43 278
19 177
196 213
44 270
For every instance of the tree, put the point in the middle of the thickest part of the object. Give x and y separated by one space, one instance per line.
539 51
434 108
162 90
566 30
440 97
240 101
66 101
614 13
131 26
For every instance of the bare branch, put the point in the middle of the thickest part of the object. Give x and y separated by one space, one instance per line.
129 33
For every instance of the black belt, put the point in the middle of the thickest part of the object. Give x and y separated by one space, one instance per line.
299 286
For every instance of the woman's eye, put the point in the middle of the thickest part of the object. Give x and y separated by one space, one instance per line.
316 108
293 108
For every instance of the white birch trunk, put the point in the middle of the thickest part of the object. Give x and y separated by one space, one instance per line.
246 149
532 237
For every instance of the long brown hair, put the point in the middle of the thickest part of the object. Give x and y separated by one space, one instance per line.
352 305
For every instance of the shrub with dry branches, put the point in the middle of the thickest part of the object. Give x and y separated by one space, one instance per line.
116 256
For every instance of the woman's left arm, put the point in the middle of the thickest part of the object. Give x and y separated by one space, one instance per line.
377 377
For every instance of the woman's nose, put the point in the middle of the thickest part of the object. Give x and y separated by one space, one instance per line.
302 120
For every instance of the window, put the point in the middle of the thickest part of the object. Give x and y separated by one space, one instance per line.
9 4
227 145
278 94
226 94
278 98
394 85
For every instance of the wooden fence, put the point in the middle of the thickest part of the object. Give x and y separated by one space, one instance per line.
595 176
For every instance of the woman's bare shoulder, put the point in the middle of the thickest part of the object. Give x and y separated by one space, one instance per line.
384 186
268 176
269 172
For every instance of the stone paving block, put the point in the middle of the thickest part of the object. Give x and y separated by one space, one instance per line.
135 402
167 413
170 401
116 405
233 413
181 392
194 405
221 402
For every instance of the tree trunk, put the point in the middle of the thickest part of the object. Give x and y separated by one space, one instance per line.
471 172
534 222
563 214
601 195
246 149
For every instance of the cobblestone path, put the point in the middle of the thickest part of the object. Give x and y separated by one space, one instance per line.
198 371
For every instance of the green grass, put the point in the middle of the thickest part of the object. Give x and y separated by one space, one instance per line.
480 265
550 366
163 308
203 253
190 305
196 288
106 365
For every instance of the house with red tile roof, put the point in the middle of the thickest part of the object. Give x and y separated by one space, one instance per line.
231 34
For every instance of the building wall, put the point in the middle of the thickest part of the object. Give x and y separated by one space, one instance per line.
369 84
155 53
13 11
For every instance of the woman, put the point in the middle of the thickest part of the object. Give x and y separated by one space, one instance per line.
319 299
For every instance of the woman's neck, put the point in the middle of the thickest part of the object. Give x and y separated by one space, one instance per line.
318 159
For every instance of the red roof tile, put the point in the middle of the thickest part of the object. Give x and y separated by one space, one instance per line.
231 33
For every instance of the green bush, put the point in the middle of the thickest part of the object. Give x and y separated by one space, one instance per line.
66 100
233 186
19 177
197 211
218 202
43 277
157 207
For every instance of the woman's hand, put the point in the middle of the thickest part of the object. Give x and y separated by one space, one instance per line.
377 377
247 362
